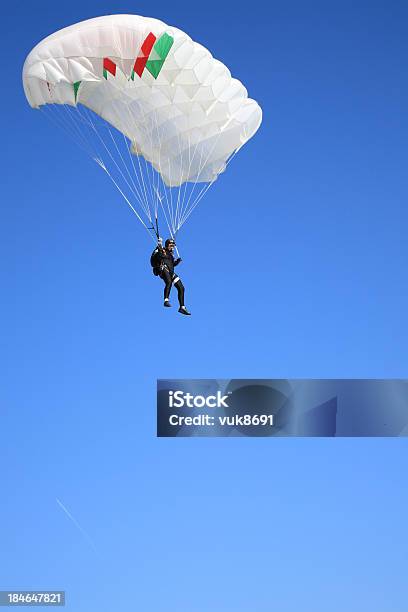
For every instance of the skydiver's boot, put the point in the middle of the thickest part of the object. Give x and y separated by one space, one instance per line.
184 310
167 303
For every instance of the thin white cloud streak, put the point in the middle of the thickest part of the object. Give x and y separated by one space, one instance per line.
75 522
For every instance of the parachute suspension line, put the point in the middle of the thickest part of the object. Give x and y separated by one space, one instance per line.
180 180
66 126
156 212
81 117
186 204
132 120
114 161
153 122
178 199
128 146
76 117
161 183
139 175
160 202
174 190
207 187
191 158
155 173
167 215
192 186
91 124
151 179
160 186
102 165
167 191
184 188
154 182
149 173
46 111
189 208
149 183
197 200
168 218
71 122
135 191
155 200
155 186
167 203
143 181
171 191
192 189
58 119
158 182
167 222
179 206
145 205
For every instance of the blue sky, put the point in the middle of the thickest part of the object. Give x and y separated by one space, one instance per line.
294 265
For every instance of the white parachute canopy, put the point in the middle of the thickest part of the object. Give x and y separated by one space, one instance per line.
153 108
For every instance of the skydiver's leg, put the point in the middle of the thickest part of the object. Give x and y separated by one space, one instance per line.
166 276
180 289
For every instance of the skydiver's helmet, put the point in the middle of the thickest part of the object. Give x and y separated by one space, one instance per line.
170 242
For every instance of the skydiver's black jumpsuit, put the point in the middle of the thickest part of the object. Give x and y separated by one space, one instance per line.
164 266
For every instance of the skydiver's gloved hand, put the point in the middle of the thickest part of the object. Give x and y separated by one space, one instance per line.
160 242
177 261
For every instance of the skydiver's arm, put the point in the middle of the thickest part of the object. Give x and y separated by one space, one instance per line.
177 261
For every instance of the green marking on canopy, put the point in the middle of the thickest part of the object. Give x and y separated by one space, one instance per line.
76 87
159 53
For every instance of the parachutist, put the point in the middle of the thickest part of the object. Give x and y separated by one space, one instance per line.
163 264
130 77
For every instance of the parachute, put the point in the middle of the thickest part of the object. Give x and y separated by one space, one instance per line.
154 109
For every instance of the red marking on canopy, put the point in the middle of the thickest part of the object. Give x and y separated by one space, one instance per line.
144 53
109 66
